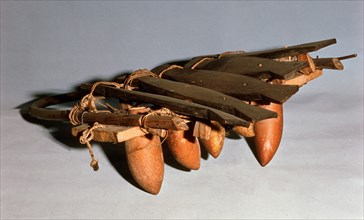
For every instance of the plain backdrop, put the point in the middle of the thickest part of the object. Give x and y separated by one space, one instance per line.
50 47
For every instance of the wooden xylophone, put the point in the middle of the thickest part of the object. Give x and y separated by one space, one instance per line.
191 103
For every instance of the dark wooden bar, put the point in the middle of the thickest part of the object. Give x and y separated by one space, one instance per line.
270 54
239 86
38 110
177 105
253 66
205 97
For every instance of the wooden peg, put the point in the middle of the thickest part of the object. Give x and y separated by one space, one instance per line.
245 131
201 130
215 142
311 65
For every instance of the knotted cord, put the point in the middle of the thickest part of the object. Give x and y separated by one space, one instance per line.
169 68
86 138
200 61
88 104
136 74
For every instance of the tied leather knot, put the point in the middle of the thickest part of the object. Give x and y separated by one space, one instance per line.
136 74
88 103
162 112
86 138
169 68
95 164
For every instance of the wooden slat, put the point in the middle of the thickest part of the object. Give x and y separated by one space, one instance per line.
328 63
302 79
116 134
202 130
332 62
122 119
76 131
205 97
110 133
310 68
254 66
291 50
239 86
176 105
271 54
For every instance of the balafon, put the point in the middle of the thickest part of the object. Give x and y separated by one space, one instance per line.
190 104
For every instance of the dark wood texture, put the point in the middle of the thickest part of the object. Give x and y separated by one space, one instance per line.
177 105
328 63
38 110
239 86
332 62
254 66
290 51
271 54
204 96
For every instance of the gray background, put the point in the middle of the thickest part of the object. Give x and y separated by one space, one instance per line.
52 46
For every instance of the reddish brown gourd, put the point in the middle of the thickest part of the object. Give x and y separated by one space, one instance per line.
185 148
268 134
145 161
